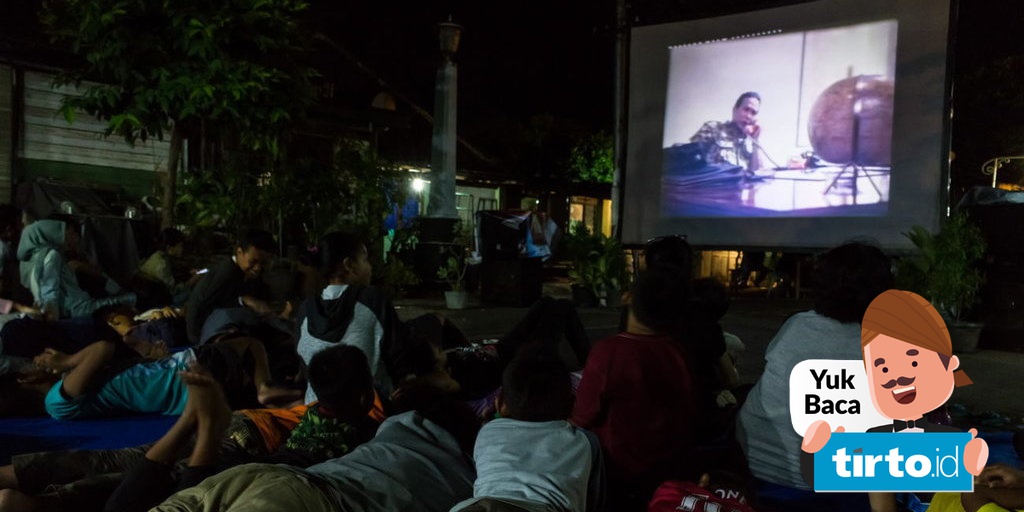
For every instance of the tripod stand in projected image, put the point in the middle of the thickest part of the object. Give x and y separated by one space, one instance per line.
853 167
850 124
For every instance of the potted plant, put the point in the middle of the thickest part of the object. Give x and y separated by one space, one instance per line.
946 270
453 270
598 269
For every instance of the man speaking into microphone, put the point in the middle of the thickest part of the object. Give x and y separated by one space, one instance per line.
734 142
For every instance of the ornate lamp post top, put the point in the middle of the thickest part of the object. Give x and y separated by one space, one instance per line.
448 33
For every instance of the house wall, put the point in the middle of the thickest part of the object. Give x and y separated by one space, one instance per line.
6 132
51 147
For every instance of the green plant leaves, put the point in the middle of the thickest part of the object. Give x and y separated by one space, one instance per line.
946 267
599 262
236 65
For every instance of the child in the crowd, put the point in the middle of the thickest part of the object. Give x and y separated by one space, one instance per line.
637 396
92 387
158 266
47 274
531 458
709 303
713 366
23 336
84 479
232 283
152 339
349 311
330 428
419 460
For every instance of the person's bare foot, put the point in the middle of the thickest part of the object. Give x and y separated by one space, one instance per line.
53 360
207 400
272 396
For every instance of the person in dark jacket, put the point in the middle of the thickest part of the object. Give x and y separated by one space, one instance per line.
231 283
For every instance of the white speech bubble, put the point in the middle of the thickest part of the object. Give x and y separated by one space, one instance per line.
843 387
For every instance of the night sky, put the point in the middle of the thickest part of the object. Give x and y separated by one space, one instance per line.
514 61
522 59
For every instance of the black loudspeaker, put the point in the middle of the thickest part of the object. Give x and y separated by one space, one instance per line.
502 234
511 283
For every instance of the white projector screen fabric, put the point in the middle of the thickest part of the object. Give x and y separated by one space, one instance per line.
861 84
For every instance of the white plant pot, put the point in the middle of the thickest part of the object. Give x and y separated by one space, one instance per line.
456 300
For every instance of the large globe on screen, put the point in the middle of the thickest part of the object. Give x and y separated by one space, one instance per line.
838 136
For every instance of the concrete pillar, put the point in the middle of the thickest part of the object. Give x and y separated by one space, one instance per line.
442 161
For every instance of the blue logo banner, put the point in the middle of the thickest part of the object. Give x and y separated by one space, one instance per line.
905 462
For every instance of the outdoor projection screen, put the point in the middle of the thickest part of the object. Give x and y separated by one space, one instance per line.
852 126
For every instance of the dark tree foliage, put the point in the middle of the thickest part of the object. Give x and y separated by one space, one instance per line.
151 67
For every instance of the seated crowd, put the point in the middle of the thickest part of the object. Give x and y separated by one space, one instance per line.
338 404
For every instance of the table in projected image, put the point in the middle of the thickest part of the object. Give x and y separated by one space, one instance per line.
789 192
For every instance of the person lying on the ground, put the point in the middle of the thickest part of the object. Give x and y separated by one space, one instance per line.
232 282
52 480
419 460
278 336
91 387
23 337
83 480
330 428
532 457
152 339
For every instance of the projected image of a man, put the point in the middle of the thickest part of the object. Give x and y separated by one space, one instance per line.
734 141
